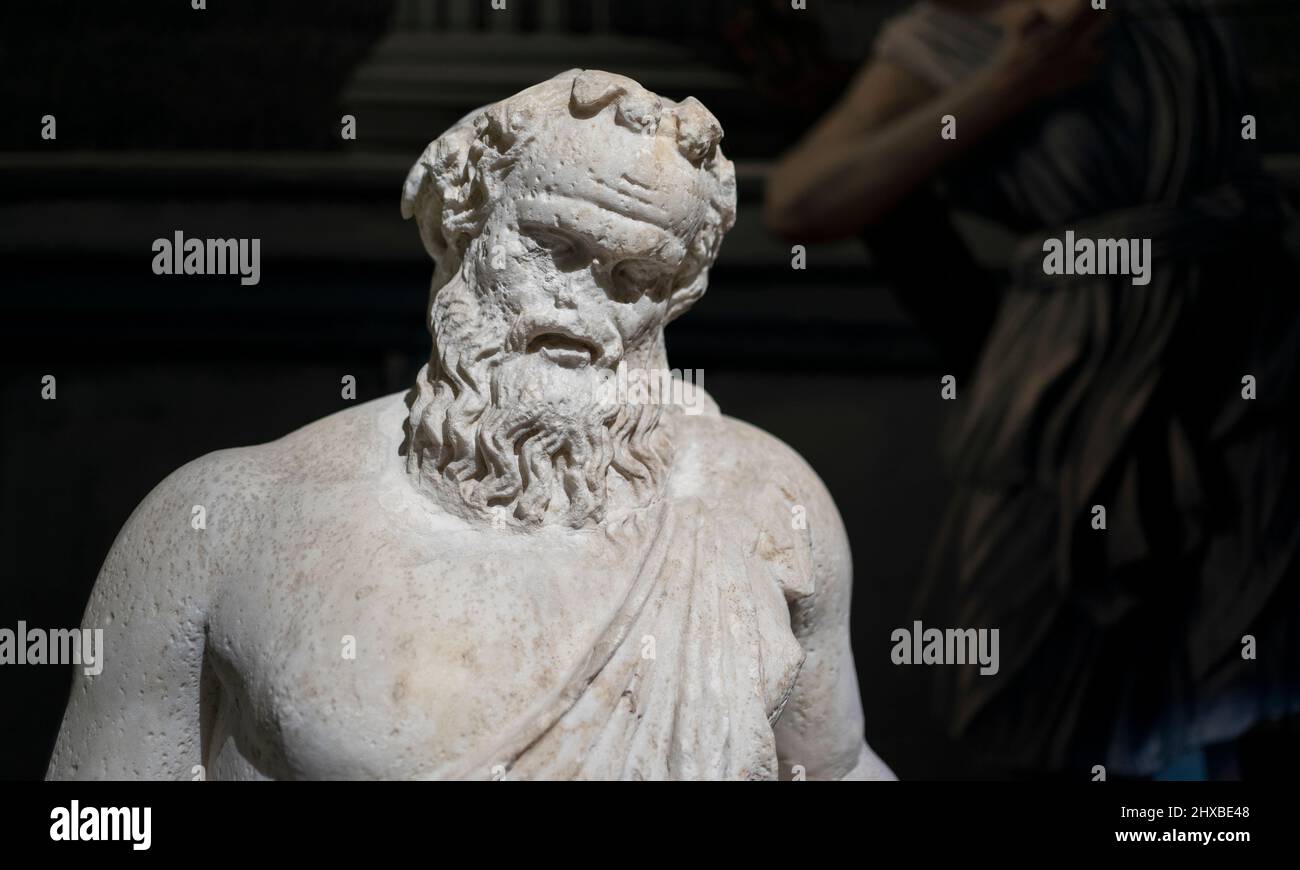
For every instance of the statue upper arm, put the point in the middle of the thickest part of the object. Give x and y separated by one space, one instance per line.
139 718
820 732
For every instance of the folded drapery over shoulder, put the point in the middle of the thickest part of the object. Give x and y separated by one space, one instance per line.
689 675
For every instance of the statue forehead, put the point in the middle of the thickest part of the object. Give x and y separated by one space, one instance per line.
593 160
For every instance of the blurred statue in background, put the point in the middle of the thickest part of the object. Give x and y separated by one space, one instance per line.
1172 630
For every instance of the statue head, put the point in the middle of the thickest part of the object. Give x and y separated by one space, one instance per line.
568 224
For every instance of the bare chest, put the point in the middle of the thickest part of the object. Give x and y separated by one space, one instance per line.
373 653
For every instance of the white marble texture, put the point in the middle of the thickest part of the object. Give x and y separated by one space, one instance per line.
518 569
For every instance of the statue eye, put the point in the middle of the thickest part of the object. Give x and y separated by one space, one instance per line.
557 245
635 275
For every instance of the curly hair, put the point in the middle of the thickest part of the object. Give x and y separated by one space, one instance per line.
449 189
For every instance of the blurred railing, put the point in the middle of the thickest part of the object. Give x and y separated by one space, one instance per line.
645 17
697 19
546 16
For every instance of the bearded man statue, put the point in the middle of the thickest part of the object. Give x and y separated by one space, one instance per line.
535 564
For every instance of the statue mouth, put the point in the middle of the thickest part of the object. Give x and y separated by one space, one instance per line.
565 349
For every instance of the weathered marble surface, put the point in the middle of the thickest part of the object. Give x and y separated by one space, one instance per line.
522 568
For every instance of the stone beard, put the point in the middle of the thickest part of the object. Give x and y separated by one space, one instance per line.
520 435
512 420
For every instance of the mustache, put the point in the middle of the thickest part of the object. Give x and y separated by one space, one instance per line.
599 337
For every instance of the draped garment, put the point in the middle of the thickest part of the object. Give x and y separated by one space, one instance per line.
693 667
1122 646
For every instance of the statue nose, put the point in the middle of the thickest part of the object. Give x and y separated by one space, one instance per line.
564 298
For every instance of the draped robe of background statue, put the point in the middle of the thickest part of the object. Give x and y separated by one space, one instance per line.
527 567
1122 647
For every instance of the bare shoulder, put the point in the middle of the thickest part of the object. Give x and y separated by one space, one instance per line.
194 536
738 466
742 461
354 443
202 517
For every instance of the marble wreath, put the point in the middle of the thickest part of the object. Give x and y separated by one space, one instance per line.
514 570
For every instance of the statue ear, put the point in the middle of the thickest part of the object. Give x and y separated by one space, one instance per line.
686 296
721 217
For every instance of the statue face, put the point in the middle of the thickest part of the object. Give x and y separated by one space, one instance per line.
581 254
589 233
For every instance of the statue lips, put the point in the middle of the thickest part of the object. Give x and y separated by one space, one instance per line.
563 350
564 343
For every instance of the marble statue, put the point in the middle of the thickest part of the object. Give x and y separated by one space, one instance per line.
523 568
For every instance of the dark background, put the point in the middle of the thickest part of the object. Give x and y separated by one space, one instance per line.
225 123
